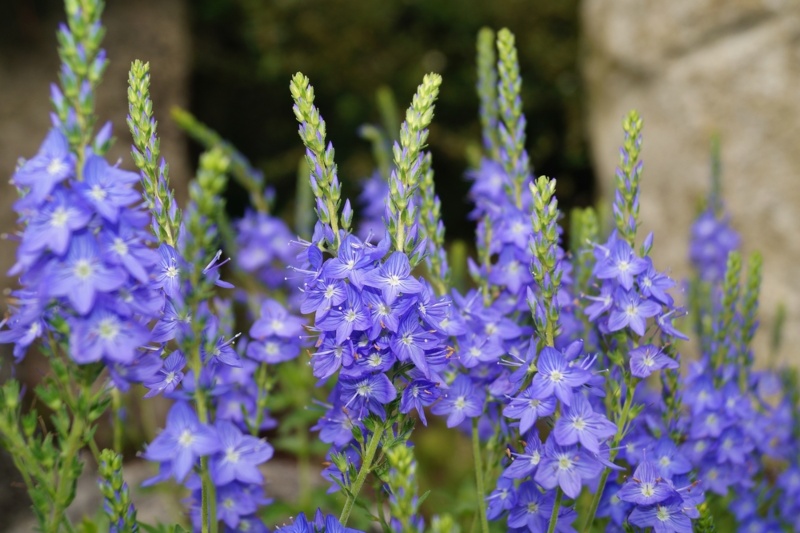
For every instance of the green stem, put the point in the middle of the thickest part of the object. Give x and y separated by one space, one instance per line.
479 485
554 515
366 466
621 429
116 422
66 481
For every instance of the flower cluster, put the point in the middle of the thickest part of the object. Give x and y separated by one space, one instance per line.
561 363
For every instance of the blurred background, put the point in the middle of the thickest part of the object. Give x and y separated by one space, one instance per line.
693 68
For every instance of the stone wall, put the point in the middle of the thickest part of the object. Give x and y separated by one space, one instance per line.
696 68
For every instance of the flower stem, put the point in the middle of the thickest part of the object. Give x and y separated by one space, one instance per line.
622 424
554 515
481 490
366 466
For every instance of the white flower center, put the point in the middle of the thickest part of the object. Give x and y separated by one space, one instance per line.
98 193
83 269
556 376
120 246
59 218
662 513
56 166
172 272
231 455
186 439
108 329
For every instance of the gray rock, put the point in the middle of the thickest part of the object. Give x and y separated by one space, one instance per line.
694 69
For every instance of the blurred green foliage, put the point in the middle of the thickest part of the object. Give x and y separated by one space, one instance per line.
246 51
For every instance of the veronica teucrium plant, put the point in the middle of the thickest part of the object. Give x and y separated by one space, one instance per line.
560 364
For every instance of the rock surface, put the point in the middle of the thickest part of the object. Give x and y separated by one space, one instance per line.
694 69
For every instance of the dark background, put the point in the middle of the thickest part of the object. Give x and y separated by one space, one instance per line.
245 51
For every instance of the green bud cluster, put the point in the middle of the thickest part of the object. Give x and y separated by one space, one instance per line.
408 162
626 204
544 267
487 91
146 154
83 65
512 135
433 228
118 505
403 485
319 157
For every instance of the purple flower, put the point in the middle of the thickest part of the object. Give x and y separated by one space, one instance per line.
104 334
524 464
566 467
418 394
557 377
183 441
630 310
51 165
411 342
238 457
532 509
579 423
346 318
647 359
108 189
53 225
646 486
367 394
528 409
665 517
620 263
323 295
82 274
393 278
168 271
276 321
501 499
168 377
352 262
460 401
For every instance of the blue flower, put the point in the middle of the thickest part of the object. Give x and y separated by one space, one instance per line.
393 278
532 509
461 400
51 165
108 189
566 467
647 359
579 423
630 310
367 394
418 394
528 409
664 517
183 441
646 486
106 335
168 376
82 274
557 376
525 464
620 263
238 457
